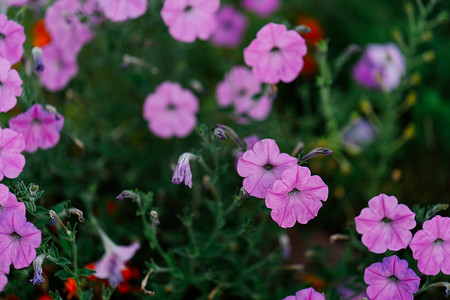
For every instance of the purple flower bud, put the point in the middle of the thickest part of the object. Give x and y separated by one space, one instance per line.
37 265
232 134
316 152
220 133
245 194
126 194
183 170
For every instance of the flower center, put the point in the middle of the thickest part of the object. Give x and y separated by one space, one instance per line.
188 8
294 192
36 121
227 25
275 49
393 278
15 235
171 107
438 241
386 220
242 92
268 167
2 36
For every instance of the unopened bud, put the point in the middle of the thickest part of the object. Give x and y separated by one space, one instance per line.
232 135
302 29
77 212
316 152
220 133
338 237
409 132
154 214
33 189
245 194
37 57
144 283
126 194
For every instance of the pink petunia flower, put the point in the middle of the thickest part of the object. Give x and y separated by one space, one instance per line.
16 2
4 269
59 67
65 28
231 25
170 111
385 224
306 294
12 37
121 10
190 19
40 128
250 141
276 54
10 86
18 240
11 161
391 279
296 197
431 246
182 172
263 8
113 262
381 67
262 166
239 89
8 201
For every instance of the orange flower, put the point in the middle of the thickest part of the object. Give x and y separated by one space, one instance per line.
40 36
128 273
44 297
70 287
316 34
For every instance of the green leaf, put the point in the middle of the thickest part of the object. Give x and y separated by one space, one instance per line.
63 261
87 295
54 252
85 272
55 295
64 275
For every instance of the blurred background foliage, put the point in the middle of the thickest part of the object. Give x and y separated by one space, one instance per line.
106 147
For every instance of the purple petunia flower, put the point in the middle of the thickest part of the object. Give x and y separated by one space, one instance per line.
431 246
306 294
231 25
262 166
183 170
10 86
60 67
18 240
358 134
381 67
8 201
113 262
391 279
239 89
11 161
263 8
170 111
121 10
12 37
276 54
385 224
65 28
40 128
296 197
190 19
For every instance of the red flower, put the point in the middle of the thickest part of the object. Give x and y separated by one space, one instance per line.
316 34
40 36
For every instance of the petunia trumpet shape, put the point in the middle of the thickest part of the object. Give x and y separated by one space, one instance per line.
11 159
391 279
231 27
385 224
12 37
306 294
113 262
170 111
40 128
431 246
10 86
190 19
276 54
262 166
296 197
60 67
121 10
18 240
8 201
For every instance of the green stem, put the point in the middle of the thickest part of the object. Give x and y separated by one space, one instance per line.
75 263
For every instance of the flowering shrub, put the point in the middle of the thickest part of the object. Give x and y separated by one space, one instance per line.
232 149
